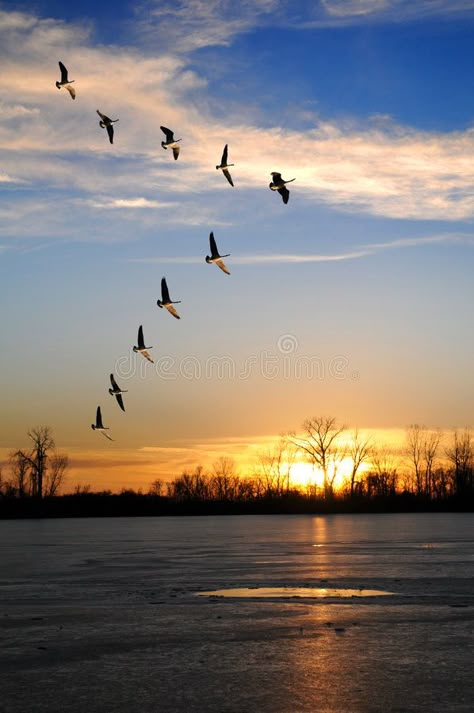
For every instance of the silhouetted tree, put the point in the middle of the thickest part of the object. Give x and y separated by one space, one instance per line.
359 449
39 471
421 450
461 456
156 488
320 443
274 466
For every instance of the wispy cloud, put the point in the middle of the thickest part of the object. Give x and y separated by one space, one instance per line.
388 10
365 250
186 25
128 203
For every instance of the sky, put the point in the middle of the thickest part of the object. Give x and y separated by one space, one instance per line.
353 300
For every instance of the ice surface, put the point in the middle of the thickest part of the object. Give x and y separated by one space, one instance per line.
101 615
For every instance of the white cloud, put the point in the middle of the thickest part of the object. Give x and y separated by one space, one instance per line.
394 10
56 145
186 25
127 203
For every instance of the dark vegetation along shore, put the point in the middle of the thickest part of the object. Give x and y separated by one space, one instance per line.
424 477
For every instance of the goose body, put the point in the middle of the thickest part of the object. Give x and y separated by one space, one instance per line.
165 301
117 392
224 166
171 142
141 348
65 81
214 257
278 184
99 426
107 123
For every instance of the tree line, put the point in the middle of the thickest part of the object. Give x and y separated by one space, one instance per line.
429 471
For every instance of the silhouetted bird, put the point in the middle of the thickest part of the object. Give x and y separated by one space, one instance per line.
215 257
278 184
65 81
141 345
99 426
117 392
224 166
106 123
165 301
171 142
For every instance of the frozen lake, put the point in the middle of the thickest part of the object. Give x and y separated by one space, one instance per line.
105 615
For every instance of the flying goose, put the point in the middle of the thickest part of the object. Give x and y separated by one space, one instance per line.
278 184
171 142
99 426
117 392
106 123
65 82
141 346
224 166
215 257
166 301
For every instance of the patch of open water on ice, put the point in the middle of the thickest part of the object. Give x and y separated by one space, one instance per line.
281 592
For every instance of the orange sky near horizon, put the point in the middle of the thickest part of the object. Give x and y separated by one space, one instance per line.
114 468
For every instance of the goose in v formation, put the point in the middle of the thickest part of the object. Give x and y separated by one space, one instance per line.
99 426
65 81
215 257
278 184
171 142
107 123
117 392
224 166
141 346
165 301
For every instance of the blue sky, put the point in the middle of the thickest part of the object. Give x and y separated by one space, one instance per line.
369 105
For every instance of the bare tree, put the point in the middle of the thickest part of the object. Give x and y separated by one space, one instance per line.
20 469
383 477
414 452
274 466
156 488
360 450
40 471
224 479
430 453
43 442
320 444
461 456
55 474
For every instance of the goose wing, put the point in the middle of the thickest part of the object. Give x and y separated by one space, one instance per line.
175 152
102 116
98 418
71 91
165 295
120 401
226 173
106 435
172 311
213 246
115 386
141 342
147 355
221 264
110 131
285 194
63 69
224 156
168 133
